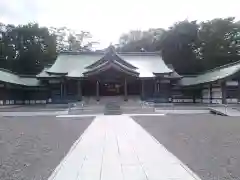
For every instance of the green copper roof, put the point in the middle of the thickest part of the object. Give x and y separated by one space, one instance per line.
150 62
212 75
114 57
75 64
111 64
44 74
10 77
30 81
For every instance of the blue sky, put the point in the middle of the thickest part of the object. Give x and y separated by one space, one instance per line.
108 19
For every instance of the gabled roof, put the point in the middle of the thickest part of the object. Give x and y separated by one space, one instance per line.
146 61
30 81
114 57
111 64
218 73
77 64
12 78
69 62
45 74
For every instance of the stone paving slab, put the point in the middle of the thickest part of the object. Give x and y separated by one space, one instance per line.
36 113
182 111
116 147
226 111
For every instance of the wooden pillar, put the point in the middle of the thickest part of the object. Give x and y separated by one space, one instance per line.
170 91
125 90
155 86
97 90
194 97
61 89
223 87
239 90
79 90
143 90
210 92
64 90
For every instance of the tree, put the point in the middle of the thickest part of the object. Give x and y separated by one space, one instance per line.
26 49
178 47
219 42
190 47
7 47
70 40
136 41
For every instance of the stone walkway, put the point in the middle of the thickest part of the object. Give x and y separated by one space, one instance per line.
32 113
117 148
226 111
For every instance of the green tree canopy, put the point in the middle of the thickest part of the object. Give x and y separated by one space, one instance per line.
70 40
177 47
189 46
218 42
135 41
26 49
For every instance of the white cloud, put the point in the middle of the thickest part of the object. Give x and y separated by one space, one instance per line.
108 19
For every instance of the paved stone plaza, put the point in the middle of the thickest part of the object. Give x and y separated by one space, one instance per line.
55 144
208 144
31 147
115 147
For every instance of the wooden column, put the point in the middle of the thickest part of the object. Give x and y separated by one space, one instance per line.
210 90
79 90
143 90
61 89
64 90
155 86
125 90
239 90
97 90
223 87
170 91
194 97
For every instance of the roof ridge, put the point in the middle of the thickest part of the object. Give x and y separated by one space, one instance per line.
19 75
103 53
82 53
27 76
220 67
9 71
190 75
140 53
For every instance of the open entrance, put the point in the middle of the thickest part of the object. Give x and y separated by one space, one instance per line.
111 88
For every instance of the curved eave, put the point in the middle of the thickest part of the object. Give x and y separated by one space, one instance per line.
213 75
201 83
197 83
57 73
125 62
97 63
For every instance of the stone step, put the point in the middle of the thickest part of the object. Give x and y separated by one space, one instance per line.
112 108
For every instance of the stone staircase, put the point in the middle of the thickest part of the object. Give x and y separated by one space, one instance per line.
110 105
112 108
84 107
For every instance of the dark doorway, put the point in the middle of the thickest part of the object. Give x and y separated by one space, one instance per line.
134 87
88 87
111 88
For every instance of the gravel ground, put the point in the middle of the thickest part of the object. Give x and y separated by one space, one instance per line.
31 147
34 108
207 144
